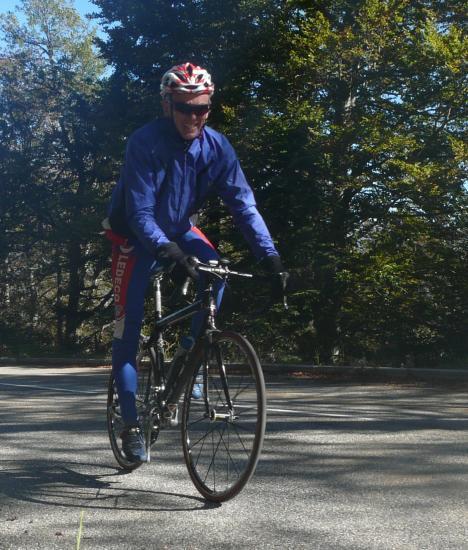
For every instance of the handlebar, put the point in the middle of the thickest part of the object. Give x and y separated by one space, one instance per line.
220 268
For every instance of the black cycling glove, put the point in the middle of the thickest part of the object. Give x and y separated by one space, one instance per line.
279 277
183 265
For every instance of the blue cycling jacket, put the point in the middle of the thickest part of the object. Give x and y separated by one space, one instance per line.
166 179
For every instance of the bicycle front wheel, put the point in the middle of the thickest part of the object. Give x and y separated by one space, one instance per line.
223 429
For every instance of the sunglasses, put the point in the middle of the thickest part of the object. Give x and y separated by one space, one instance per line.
187 109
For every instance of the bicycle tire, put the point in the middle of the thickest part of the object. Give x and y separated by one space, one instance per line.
115 423
222 444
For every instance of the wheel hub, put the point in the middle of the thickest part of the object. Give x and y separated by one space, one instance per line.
222 417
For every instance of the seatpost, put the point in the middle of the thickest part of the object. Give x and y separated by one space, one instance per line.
157 295
211 308
158 314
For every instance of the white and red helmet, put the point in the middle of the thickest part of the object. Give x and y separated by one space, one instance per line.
186 78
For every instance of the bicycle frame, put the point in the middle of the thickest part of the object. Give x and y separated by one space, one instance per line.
177 382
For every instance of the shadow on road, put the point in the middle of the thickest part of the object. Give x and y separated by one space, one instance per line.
67 484
318 435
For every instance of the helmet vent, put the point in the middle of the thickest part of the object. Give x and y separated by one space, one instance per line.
186 79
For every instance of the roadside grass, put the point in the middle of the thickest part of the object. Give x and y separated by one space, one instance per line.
80 531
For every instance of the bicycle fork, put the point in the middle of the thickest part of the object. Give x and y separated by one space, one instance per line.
210 411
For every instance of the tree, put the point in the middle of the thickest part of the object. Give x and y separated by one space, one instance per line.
49 95
360 124
348 118
351 133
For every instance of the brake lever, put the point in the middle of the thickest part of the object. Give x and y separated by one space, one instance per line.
284 281
185 287
179 293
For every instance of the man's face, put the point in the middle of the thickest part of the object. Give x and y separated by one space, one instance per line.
189 113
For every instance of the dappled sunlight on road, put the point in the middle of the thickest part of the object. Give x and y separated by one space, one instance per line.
340 462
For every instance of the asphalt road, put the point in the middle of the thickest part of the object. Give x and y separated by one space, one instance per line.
345 465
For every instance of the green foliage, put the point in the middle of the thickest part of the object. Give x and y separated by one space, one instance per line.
349 120
50 86
364 116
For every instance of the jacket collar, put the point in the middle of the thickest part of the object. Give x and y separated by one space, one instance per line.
189 146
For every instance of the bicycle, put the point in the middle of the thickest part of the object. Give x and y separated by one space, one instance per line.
222 432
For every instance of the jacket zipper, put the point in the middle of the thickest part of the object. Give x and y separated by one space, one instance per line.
183 187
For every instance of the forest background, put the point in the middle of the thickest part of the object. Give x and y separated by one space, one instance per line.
349 119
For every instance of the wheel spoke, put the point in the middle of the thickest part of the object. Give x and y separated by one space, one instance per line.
193 422
199 452
214 454
202 438
242 390
229 455
241 442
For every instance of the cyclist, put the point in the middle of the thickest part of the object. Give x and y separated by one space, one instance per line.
171 165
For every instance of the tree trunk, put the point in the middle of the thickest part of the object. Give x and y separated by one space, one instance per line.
72 317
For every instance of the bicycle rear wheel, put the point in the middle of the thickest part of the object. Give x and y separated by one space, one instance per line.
115 423
223 431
